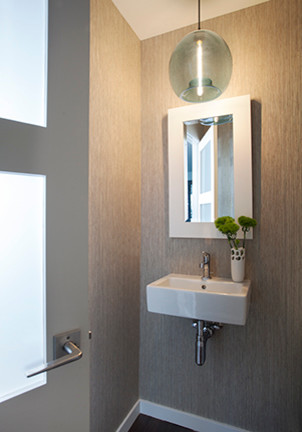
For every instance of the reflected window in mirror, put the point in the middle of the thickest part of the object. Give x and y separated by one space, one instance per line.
209 169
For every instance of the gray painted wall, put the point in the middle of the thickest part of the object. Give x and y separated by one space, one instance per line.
252 377
114 208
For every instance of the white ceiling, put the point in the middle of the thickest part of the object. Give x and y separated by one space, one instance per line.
150 18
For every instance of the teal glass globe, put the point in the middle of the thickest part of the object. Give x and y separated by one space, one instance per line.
200 67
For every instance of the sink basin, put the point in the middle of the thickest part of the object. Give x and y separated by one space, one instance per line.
217 299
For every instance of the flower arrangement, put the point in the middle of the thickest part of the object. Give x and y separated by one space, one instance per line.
227 226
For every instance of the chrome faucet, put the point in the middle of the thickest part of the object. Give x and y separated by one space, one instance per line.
205 265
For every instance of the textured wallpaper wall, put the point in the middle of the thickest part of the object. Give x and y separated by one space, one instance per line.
252 377
114 176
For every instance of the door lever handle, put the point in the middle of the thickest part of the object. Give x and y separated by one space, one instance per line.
73 353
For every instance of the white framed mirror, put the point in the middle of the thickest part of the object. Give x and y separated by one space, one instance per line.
210 166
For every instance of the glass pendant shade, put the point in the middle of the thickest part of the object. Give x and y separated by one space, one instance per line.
200 67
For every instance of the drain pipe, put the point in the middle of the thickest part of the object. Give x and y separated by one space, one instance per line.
204 330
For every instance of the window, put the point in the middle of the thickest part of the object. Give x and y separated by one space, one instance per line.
22 282
23 60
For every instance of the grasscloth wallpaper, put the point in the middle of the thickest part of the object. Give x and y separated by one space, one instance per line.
253 375
114 180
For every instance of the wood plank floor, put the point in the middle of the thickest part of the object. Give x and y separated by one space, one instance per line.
145 423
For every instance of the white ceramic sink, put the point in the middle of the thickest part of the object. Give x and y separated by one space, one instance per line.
217 299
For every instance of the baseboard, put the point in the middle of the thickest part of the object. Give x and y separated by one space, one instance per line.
190 421
171 415
130 419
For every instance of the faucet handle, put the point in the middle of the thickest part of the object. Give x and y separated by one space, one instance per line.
205 257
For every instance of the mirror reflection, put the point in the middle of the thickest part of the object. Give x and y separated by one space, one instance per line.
209 168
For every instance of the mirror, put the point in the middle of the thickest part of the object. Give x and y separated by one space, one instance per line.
210 165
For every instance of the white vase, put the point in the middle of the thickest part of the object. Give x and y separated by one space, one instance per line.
238 264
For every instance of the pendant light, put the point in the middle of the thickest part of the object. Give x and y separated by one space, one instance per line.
200 66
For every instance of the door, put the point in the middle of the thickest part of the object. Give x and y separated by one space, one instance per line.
58 153
204 193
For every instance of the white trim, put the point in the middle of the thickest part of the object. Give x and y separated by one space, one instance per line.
130 418
171 415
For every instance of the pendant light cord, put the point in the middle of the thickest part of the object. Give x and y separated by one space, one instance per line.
198 14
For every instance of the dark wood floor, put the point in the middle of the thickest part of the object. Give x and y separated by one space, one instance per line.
144 423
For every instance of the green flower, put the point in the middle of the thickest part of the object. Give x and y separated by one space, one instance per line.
222 221
227 226
246 222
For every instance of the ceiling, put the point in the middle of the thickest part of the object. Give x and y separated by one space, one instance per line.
150 18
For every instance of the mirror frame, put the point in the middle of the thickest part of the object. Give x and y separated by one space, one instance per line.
240 108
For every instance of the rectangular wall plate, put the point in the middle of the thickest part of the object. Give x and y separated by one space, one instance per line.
60 339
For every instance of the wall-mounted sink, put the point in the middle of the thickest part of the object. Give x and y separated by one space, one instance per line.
216 299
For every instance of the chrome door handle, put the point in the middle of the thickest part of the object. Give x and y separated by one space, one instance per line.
73 353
